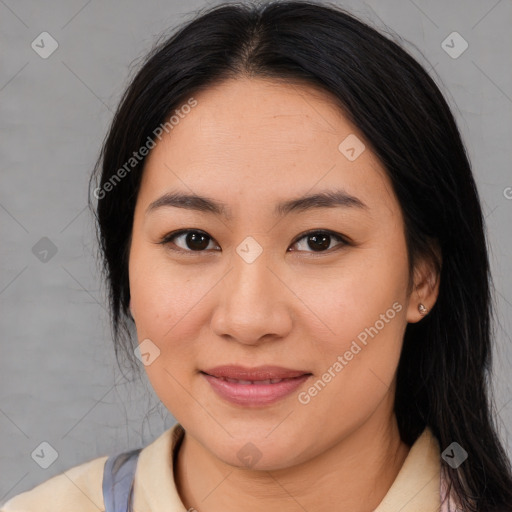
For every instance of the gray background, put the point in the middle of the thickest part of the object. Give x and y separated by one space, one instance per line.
58 379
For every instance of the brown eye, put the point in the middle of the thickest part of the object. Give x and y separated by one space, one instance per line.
198 241
191 240
320 241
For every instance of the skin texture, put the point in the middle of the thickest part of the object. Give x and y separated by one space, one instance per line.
251 143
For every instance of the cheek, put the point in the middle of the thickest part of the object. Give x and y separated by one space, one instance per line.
165 302
157 291
355 366
170 302
364 292
364 339
363 313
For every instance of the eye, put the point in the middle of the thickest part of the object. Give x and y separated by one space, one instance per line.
194 240
320 241
198 241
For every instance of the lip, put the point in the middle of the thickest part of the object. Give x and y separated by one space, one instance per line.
256 373
261 391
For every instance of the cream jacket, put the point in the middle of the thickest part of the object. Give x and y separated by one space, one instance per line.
416 488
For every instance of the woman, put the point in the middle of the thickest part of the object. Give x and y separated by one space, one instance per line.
288 217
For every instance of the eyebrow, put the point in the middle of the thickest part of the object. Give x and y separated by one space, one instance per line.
323 199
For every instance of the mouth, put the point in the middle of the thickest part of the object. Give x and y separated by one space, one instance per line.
254 387
256 382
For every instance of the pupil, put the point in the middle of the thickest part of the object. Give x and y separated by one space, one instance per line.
195 238
315 240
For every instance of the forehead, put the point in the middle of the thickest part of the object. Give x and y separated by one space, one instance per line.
261 139
275 119
266 111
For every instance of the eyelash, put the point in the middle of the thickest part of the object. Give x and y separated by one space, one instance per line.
166 240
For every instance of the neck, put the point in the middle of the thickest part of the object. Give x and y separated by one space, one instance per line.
355 474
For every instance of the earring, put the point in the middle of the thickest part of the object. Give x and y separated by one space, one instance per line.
422 309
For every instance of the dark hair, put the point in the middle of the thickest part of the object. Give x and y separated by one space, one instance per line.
445 364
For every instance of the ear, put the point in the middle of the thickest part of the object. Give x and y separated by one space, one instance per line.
425 286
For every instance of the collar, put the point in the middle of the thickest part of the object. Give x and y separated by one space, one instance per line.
417 486
415 489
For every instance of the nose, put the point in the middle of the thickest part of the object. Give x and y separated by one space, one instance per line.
253 304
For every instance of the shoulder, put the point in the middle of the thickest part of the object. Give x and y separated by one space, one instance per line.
78 489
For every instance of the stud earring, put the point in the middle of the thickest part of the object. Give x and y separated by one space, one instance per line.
422 309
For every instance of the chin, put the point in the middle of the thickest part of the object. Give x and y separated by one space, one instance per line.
257 452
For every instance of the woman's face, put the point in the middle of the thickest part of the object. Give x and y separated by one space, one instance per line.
251 288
